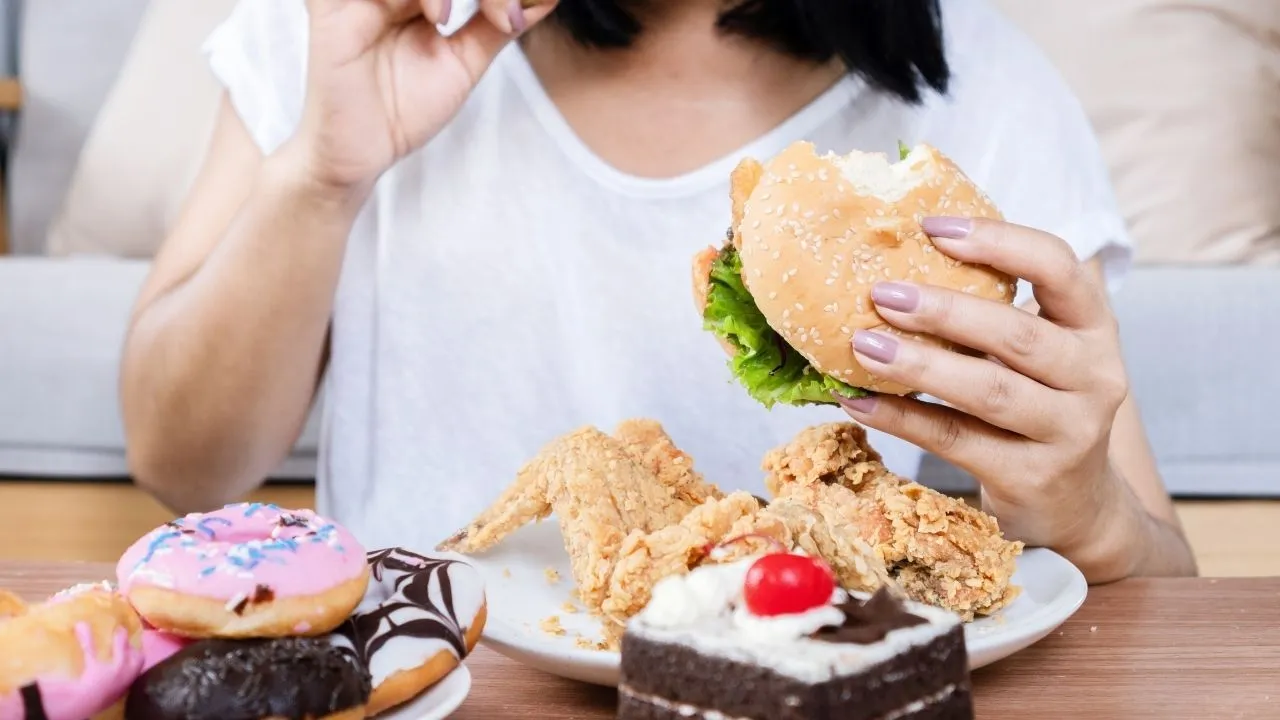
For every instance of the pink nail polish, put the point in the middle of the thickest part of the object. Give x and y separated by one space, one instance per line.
877 346
955 228
515 13
858 406
903 297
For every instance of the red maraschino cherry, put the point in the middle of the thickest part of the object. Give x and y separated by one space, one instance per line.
783 583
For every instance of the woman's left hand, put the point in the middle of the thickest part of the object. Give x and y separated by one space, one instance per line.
1032 420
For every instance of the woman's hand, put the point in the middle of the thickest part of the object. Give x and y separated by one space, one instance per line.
382 81
1032 420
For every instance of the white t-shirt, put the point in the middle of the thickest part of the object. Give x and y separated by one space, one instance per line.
505 285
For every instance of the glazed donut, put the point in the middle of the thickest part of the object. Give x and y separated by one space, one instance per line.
70 658
422 615
249 570
11 605
252 679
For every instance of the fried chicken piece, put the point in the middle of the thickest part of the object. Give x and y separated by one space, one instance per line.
837 541
830 454
654 449
598 493
940 550
646 558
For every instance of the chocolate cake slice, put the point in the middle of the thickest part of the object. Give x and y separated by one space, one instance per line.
699 651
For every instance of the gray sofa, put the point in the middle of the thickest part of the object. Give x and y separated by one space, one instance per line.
1200 341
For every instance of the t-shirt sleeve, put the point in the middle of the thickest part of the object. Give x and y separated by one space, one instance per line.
1017 130
259 55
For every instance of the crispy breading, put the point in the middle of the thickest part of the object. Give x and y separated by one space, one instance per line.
633 510
653 448
646 558
941 550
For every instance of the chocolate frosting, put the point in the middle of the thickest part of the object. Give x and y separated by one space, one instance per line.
869 621
289 678
420 605
32 703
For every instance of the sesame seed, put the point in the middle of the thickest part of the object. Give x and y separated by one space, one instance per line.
799 307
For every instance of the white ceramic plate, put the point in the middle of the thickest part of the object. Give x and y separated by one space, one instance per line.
521 599
437 703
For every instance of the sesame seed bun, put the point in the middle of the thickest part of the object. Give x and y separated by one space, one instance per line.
815 233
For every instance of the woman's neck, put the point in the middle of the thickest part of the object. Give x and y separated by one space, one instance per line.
680 96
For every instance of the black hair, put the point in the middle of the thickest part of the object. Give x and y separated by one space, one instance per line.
894 45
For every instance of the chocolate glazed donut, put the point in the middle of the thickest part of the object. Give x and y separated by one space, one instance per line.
288 678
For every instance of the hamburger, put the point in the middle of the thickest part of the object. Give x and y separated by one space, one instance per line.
810 236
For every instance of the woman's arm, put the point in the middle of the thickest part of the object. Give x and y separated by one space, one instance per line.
226 341
1144 514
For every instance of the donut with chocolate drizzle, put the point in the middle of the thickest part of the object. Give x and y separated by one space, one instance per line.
420 617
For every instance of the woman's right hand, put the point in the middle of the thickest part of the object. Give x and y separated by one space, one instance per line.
382 81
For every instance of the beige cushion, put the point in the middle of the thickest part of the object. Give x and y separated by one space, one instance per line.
1185 97
148 140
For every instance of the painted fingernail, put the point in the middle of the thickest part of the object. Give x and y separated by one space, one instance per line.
877 346
446 9
956 228
860 406
515 13
903 297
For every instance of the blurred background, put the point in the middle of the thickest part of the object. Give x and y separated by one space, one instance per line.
107 106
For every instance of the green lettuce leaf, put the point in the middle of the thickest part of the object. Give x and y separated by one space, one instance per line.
903 150
770 369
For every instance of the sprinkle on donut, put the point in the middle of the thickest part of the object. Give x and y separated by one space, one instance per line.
244 570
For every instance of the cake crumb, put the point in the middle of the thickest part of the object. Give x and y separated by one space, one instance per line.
552 626
553 576
1093 628
506 572
569 608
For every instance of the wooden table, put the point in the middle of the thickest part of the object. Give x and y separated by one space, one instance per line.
1186 648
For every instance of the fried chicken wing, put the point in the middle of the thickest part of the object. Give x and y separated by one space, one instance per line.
598 491
646 558
939 549
653 448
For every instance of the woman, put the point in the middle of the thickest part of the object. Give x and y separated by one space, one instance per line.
480 244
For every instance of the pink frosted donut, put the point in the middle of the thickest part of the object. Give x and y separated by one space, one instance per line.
247 570
158 646
70 658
